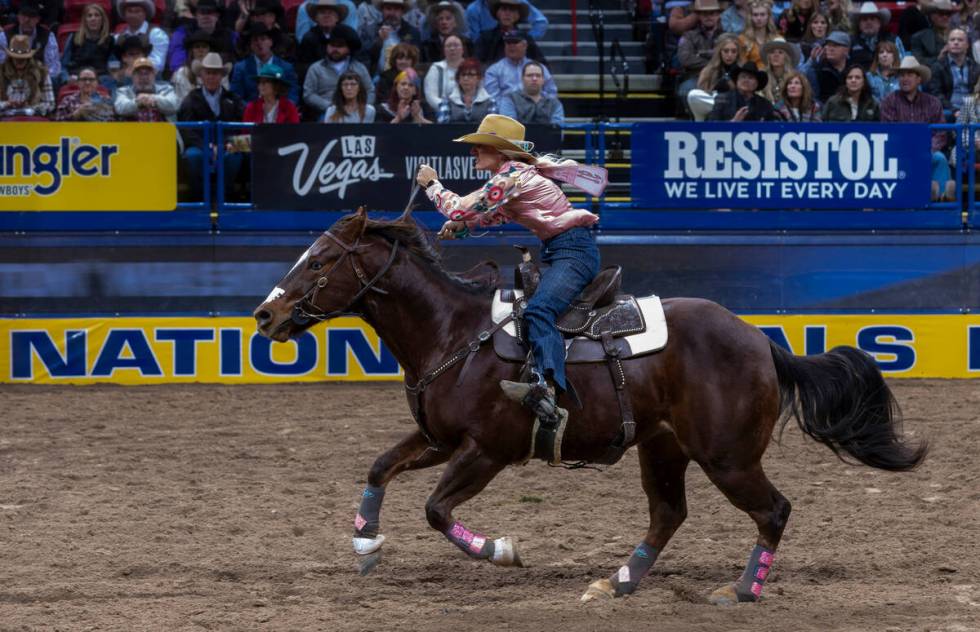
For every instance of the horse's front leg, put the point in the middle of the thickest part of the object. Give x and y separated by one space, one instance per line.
412 453
468 472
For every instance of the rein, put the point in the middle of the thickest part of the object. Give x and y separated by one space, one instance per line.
306 308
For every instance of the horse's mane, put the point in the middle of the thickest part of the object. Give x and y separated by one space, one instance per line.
412 238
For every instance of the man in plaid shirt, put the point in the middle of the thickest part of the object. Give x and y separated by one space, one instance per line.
910 105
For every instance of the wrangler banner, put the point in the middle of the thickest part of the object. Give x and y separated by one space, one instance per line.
339 167
88 167
770 165
228 350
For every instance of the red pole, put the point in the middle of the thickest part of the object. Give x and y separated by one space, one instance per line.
574 29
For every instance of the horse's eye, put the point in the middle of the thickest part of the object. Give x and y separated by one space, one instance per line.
316 265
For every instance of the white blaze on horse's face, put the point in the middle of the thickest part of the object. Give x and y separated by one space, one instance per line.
274 294
303 257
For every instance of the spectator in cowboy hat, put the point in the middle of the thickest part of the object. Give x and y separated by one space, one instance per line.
272 106
826 72
443 19
244 78
207 14
480 18
327 14
955 74
490 46
696 46
742 103
505 75
394 29
185 79
781 58
268 13
908 104
125 53
43 41
321 78
136 15
306 15
927 44
211 102
869 29
146 99
25 84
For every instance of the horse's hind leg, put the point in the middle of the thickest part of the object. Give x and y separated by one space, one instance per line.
749 490
411 453
662 467
467 474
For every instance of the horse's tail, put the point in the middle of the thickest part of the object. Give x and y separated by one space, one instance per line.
840 399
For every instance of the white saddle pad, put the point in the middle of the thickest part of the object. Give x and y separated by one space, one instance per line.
653 339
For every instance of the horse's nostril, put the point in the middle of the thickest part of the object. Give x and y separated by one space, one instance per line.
263 317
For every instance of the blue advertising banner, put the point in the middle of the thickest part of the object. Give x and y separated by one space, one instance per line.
771 165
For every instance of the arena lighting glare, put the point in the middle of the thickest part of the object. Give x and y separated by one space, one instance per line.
793 155
67 158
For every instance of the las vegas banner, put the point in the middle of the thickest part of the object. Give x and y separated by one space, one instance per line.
228 349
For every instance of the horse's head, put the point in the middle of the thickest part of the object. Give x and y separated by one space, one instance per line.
324 282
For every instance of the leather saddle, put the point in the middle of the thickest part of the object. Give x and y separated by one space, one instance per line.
599 318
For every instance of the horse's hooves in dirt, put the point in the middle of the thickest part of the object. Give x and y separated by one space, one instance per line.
367 563
724 596
600 589
506 553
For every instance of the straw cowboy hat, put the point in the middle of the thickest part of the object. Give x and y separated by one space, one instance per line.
147 5
870 8
515 4
20 47
211 61
502 133
910 63
706 6
780 44
313 7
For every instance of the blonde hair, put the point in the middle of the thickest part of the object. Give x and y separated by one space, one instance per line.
81 33
712 72
768 32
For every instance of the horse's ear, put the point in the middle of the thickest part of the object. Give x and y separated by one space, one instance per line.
359 222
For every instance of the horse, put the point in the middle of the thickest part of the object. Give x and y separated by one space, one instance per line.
713 395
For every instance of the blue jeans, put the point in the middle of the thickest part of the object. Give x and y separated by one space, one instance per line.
195 170
940 170
574 259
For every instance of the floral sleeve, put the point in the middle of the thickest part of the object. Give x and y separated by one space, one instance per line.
483 206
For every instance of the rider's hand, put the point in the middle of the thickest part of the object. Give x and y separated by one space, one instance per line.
425 175
449 230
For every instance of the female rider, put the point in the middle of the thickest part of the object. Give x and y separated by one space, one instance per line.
522 190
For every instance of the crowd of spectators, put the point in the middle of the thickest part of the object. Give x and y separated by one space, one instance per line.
812 61
386 61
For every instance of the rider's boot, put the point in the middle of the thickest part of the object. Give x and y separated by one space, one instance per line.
539 396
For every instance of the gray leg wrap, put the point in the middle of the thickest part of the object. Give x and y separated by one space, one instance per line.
628 577
368 519
749 585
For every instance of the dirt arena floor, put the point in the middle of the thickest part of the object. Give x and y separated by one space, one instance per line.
230 508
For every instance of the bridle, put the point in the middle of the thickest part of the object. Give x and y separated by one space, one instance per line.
306 308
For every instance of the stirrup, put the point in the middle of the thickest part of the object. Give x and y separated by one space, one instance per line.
538 397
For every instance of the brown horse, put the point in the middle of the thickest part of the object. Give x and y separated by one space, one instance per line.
713 395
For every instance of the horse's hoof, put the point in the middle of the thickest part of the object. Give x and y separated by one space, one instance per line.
724 596
600 589
505 553
367 563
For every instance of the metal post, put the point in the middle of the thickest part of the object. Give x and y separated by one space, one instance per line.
220 158
207 165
